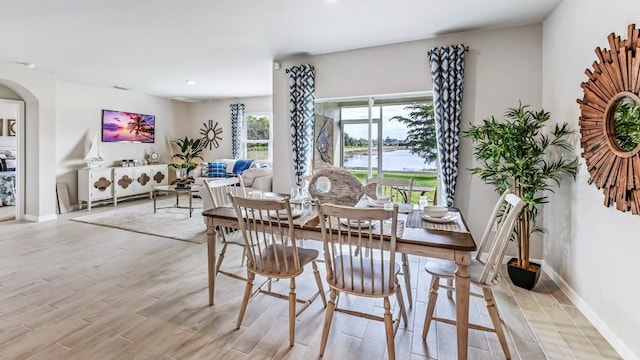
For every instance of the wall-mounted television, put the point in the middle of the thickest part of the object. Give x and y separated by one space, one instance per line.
121 126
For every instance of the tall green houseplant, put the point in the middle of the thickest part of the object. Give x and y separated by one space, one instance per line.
515 154
190 149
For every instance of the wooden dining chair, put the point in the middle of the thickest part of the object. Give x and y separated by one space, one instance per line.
267 229
484 269
347 231
399 190
216 193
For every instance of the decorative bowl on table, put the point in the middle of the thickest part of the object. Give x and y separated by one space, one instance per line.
381 199
435 211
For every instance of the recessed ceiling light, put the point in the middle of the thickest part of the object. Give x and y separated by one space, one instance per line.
191 82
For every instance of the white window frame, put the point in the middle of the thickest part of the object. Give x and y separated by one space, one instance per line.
246 141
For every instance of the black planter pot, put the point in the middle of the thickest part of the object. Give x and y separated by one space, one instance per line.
524 278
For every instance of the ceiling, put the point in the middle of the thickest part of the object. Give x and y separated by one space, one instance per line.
226 46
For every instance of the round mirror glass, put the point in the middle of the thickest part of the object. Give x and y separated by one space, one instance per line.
626 124
323 185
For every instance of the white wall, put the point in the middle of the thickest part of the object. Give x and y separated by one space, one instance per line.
78 116
592 248
220 112
501 67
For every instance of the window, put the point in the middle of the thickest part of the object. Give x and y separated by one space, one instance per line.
258 135
395 154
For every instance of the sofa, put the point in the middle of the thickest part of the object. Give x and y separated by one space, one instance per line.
256 175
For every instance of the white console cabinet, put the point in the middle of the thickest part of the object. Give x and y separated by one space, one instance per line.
117 183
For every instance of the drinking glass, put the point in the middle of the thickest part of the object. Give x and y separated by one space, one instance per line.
295 194
423 202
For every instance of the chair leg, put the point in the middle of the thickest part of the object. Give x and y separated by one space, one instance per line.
244 256
495 319
433 297
245 299
449 291
403 311
292 311
328 317
221 257
388 327
316 274
407 279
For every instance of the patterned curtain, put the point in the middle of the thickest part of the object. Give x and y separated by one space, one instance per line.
447 71
301 110
237 119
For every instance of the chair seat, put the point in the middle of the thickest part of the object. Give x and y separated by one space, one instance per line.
447 269
305 256
359 278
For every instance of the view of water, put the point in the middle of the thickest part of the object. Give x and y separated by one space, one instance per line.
398 160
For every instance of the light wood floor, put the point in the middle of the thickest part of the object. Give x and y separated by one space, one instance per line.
70 290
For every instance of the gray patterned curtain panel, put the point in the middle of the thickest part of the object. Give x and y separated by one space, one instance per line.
447 71
301 110
237 119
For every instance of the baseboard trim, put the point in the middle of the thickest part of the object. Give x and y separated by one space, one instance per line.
591 315
40 218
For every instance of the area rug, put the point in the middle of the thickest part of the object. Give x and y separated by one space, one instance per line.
168 221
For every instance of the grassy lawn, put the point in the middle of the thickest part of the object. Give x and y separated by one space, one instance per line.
419 179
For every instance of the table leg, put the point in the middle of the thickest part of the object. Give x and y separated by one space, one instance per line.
211 258
462 284
155 196
190 202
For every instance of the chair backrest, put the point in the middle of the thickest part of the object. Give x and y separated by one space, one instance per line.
216 190
344 187
504 215
348 233
395 188
267 229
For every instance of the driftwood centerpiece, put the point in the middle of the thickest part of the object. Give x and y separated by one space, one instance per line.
344 188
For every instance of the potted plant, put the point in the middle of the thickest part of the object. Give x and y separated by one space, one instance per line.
190 149
516 154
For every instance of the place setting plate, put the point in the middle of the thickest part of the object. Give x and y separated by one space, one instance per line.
282 215
355 224
450 217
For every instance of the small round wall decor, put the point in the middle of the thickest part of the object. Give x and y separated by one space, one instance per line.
211 134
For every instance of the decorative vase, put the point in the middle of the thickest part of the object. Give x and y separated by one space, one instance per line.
181 173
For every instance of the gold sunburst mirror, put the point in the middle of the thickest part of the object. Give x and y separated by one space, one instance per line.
610 121
211 135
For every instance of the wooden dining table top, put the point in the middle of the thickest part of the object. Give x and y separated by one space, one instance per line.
410 235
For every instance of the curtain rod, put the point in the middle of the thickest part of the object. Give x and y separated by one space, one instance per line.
466 49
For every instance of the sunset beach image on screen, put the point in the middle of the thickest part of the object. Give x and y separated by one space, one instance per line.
120 126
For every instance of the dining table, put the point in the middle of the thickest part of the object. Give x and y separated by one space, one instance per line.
416 237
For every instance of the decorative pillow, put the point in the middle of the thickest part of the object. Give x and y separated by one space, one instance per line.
204 169
216 169
241 165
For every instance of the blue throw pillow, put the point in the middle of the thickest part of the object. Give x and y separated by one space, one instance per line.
216 169
241 165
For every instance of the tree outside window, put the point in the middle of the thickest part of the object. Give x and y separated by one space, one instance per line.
257 144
